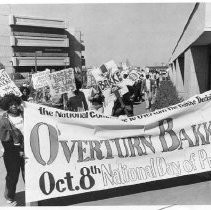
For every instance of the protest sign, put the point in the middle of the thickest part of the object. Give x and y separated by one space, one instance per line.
90 79
71 153
7 85
134 75
109 78
62 81
41 79
124 66
107 75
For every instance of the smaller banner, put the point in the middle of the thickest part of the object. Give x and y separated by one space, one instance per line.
108 76
40 79
90 79
7 86
124 66
62 81
134 75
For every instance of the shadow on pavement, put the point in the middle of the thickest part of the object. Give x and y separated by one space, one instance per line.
122 191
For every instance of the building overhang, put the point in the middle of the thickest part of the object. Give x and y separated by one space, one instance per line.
38 41
196 31
36 21
41 61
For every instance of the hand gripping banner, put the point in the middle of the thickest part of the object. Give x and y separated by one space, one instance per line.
71 153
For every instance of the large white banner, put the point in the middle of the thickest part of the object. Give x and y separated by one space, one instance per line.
7 85
41 79
90 79
71 153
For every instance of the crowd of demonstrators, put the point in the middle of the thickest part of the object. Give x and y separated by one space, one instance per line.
149 87
143 89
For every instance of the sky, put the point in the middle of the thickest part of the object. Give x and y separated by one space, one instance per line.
143 33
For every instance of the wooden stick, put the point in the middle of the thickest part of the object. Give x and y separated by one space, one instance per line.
64 101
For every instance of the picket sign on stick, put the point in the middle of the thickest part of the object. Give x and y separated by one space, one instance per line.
7 85
40 79
109 75
61 82
64 101
72 153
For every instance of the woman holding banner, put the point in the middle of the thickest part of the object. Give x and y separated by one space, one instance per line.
11 137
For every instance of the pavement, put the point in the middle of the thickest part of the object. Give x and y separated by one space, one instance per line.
188 190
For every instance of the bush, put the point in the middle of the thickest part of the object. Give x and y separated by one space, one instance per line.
167 95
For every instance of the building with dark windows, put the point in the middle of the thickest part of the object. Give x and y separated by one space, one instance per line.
35 43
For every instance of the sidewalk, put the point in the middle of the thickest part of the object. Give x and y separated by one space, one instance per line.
139 108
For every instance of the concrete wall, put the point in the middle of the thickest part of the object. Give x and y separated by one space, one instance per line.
194 29
170 71
193 44
174 73
196 70
179 77
208 17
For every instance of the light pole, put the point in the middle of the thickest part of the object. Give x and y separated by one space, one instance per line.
65 64
65 96
35 61
36 53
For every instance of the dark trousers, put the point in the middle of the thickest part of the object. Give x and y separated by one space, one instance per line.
13 163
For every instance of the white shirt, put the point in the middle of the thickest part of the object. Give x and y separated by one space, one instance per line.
17 122
148 84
